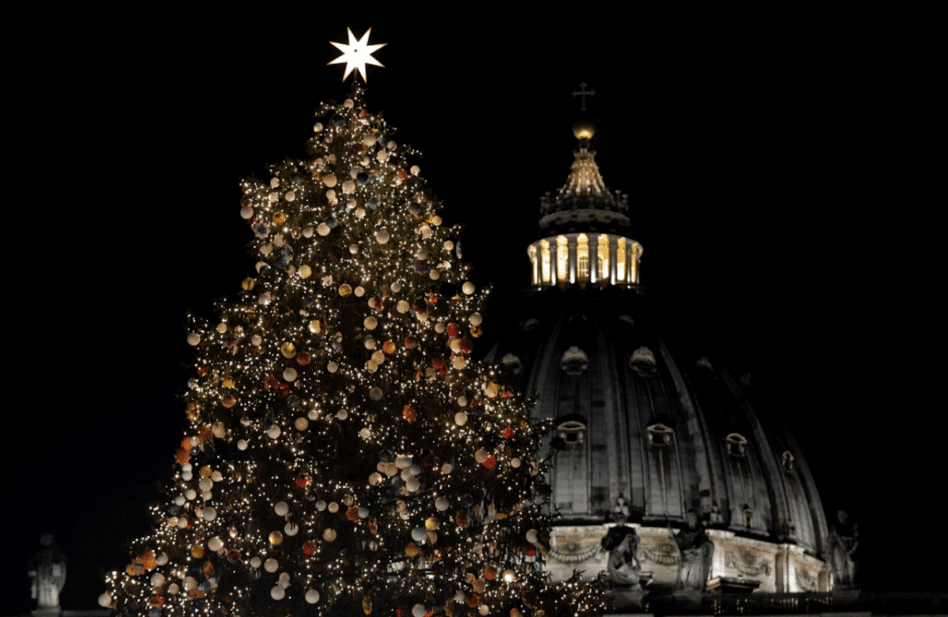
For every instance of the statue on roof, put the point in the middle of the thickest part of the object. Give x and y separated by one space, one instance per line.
696 549
47 569
624 566
844 540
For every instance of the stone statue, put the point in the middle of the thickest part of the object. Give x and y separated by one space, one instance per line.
47 574
696 549
844 540
624 566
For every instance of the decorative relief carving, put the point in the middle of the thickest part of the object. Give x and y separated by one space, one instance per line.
662 554
572 552
806 581
746 563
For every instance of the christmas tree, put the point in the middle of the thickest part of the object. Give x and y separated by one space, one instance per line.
345 455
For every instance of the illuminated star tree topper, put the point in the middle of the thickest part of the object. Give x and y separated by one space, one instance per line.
357 54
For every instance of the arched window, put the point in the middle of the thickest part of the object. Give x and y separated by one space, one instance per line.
620 260
603 255
582 257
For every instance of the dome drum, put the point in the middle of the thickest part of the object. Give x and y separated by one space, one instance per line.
583 259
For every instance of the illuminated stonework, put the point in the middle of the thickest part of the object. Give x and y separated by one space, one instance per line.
617 260
766 566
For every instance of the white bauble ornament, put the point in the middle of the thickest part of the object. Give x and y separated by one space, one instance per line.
532 536
480 456
442 504
333 507
382 236
476 319
189 583
255 562
359 291
322 229
277 593
418 610
289 374
291 529
483 609
418 534
301 424
215 544
370 323
434 275
312 596
162 558
330 180
413 485
105 600
460 418
332 367
271 565
354 249
281 508
462 401
515 462
194 338
446 468
329 534
320 505
342 414
459 362
190 494
242 444
274 432
274 183
468 288
209 514
256 340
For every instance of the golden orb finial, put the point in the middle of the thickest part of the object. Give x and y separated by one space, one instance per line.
584 129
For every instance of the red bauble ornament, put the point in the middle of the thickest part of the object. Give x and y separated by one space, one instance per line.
453 330
309 547
491 462
508 433
409 413
303 480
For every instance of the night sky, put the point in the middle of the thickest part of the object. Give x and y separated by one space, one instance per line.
774 178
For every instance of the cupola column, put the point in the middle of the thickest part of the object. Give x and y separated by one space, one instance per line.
612 260
572 259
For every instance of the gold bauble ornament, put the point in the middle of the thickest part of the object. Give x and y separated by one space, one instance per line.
247 284
345 290
276 538
228 401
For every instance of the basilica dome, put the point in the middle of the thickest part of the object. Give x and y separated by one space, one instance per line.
642 438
